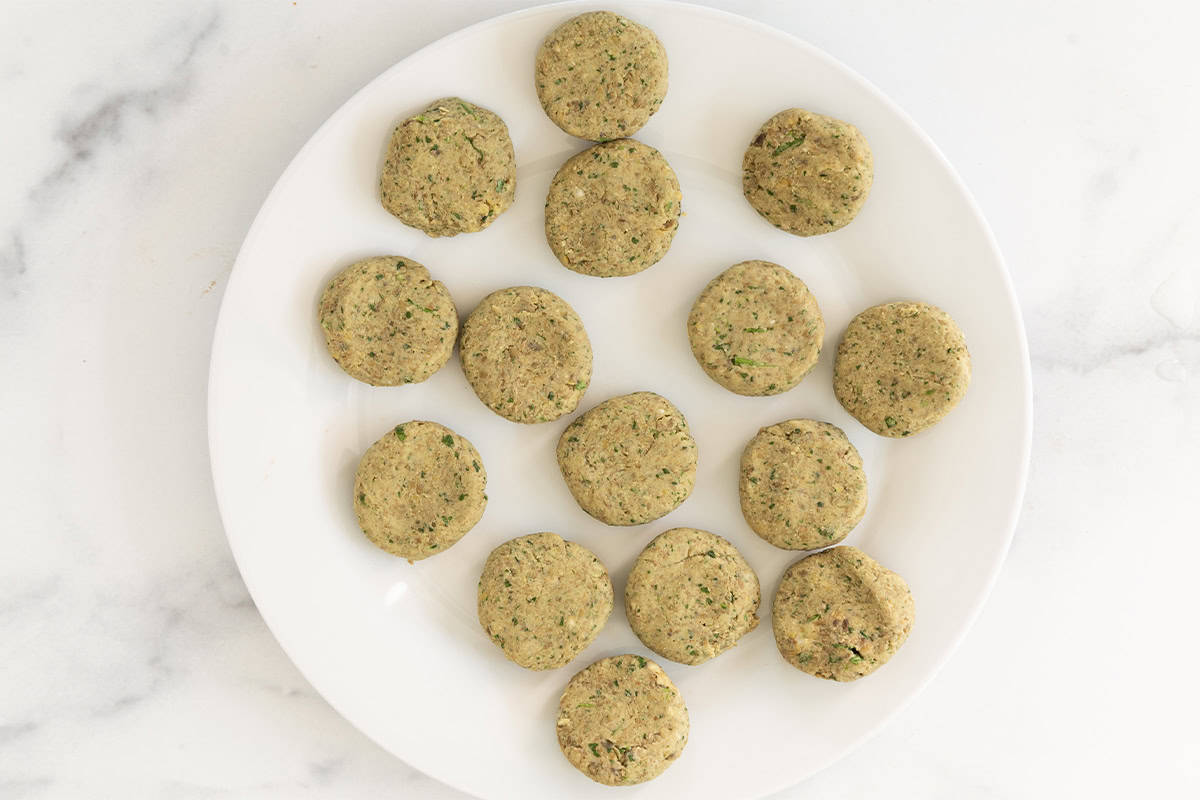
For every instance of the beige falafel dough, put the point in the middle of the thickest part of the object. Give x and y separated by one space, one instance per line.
419 489
756 329
450 169
613 209
621 721
387 322
526 354
802 484
543 599
600 76
839 614
629 460
901 367
691 596
806 173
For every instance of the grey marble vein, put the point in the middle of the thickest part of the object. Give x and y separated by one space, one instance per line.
1084 364
326 769
24 787
120 704
18 601
13 267
16 730
12 257
85 137
103 124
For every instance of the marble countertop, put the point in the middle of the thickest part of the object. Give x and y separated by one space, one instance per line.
139 139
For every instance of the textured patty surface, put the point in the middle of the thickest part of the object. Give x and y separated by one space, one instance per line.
839 614
756 329
450 169
600 76
621 721
526 354
387 322
629 460
691 596
901 367
543 599
802 484
419 489
613 209
806 173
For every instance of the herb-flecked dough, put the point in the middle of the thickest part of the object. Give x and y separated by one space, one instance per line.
450 169
542 599
839 614
621 721
691 596
601 76
806 173
802 484
419 489
387 322
901 368
629 460
526 354
613 209
756 329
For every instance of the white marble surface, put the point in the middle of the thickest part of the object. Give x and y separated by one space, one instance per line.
139 139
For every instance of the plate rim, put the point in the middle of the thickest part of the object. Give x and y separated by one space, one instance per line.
218 345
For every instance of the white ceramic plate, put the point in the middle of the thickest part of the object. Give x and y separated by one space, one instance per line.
396 647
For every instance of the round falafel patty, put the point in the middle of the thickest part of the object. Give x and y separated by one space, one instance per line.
450 169
613 209
621 721
756 329
419 489
691 596
901 368
388 322
600 76
629 460
542 599
806 173
839 614
526 354
802 484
